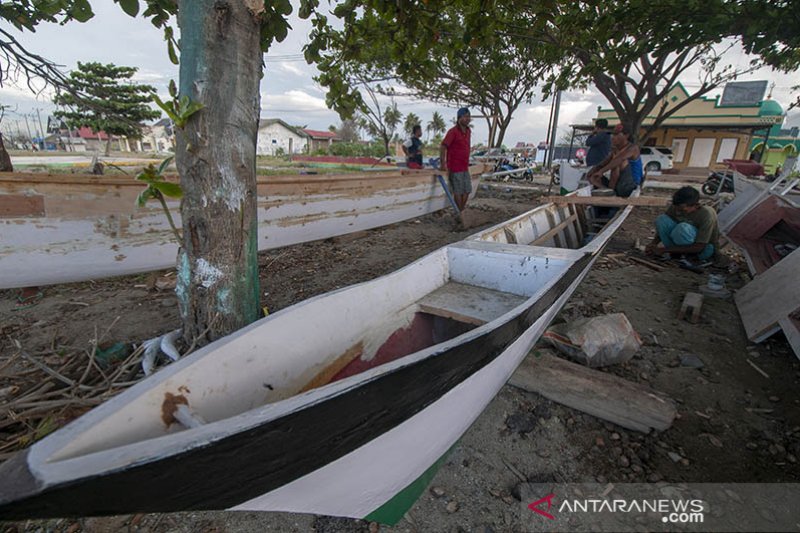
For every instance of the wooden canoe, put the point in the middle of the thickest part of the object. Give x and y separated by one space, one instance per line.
341 405
64 228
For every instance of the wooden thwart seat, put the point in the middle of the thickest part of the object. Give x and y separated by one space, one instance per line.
468 303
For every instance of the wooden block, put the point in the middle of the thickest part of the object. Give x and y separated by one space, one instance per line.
603 395
693 301
615 201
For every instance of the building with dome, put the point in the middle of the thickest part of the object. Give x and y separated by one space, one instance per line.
706 131
776 145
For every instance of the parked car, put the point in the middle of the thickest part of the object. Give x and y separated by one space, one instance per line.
656 157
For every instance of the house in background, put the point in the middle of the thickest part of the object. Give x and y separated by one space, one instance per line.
160 137
96 142
276 137
708 130
320 140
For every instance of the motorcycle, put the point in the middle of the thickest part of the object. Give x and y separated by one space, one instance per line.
718 182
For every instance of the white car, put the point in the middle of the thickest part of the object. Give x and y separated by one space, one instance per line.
656 158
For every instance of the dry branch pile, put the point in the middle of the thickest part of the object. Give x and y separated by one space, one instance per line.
43 391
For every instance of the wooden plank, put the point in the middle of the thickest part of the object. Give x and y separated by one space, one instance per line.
770 297
21 205
791 328
468 303
564 212
573 210
553 232
615 201
693 301
645 262
605 396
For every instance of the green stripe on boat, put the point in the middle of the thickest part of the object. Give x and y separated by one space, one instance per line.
391 512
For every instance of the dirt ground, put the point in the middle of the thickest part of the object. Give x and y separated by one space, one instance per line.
734 424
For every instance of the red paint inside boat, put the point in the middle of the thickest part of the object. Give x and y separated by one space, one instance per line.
770 223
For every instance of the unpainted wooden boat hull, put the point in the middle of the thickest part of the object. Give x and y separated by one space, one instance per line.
59 229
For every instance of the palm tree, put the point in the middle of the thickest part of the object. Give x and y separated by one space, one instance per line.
411 121
436 125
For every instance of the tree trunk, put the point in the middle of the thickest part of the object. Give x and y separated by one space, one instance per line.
216 158
108 145
5 159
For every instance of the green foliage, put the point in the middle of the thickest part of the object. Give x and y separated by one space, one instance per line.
179 110
356 149
158 188
108 101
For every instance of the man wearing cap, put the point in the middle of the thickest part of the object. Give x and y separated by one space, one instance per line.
454 158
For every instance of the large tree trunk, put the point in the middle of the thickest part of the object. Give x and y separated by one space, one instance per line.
216 158
5 159
108 145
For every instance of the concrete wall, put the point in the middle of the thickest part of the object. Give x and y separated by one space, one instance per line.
275 136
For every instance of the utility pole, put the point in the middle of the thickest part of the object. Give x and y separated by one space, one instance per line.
41 129
554 129
28 126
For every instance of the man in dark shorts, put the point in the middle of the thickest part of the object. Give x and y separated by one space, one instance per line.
454 158
687 227
412 147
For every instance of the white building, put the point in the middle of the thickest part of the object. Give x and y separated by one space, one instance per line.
276 137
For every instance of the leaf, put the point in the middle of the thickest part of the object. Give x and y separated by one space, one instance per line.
173 190
81 10
173 57
173 90
145 195
131 7
164 164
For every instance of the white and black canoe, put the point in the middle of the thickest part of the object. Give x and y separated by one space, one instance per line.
344 404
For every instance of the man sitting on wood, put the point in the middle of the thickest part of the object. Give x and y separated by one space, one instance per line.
686 227
618 166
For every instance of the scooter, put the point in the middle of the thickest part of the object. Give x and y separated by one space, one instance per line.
718 182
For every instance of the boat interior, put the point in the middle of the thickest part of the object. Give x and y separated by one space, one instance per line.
396 319
768 232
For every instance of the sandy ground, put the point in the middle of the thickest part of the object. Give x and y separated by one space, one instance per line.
734 424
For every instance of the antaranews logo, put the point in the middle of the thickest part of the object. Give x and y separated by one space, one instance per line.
535 506
681 511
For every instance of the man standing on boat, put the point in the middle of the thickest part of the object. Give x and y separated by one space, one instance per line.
599 143
686 227
412 147
454 158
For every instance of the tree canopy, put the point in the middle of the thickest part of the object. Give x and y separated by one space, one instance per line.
110 102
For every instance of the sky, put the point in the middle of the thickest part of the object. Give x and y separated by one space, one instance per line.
288 90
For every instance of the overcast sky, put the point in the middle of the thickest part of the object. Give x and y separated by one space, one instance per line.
288 90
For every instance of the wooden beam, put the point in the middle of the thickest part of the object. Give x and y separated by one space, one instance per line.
614 201
605 396
554 231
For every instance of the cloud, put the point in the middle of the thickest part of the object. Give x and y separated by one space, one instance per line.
292 101
289 67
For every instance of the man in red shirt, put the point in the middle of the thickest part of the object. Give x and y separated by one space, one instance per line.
454 158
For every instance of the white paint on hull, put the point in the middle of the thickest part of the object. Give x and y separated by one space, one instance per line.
67 248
